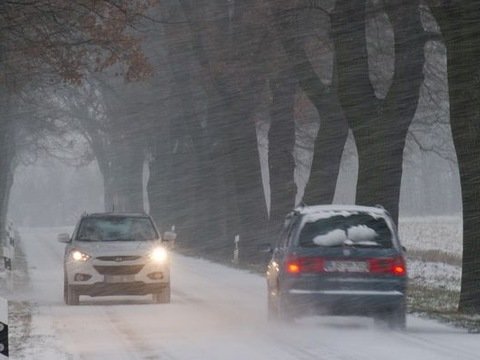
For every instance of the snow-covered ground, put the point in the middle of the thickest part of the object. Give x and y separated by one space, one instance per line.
439 233
442 234
216 313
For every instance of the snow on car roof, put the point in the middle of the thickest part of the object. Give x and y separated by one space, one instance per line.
317 212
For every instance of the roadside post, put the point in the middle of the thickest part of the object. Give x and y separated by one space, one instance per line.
3 328
235 250
9 252
9 247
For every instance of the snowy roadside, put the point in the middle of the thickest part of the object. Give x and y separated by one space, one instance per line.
434 256
31 336
434 246
20 311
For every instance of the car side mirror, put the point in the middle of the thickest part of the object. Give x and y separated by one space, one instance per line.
265 248
63 238
169 237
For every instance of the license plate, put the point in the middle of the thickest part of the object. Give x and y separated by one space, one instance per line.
346 266
119 278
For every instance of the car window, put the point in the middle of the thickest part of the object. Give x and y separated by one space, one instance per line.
116 229
284 235
346 229
287 231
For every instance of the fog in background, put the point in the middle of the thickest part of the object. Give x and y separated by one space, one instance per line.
51 193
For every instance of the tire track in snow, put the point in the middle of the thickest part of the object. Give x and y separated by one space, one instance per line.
289 338
137 343
283 339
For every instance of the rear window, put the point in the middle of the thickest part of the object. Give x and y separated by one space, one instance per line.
357 229
116 228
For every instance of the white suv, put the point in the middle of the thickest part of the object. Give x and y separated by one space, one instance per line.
116 254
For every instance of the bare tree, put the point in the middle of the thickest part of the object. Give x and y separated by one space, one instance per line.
57 39
379 125
458 21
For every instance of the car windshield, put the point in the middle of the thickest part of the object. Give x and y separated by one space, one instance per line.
346 230
116 229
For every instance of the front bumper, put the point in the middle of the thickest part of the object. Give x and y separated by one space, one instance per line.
95 277
125 288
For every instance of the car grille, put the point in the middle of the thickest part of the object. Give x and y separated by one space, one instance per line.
118 258
119 270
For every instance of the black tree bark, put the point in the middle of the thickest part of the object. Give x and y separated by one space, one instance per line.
379 125
461 32
224 48
7 151
281 142
333 132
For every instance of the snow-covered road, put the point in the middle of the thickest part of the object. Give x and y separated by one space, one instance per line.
216 313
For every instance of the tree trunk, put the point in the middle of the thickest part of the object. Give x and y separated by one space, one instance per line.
7 144
130 169
7 151
103 166
242 147
281 142
379 125
333 133
122 171
158 187
328 150
215 188
461 32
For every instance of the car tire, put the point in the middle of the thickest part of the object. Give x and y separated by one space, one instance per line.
162 297
65 289
397 318
73 298
278 310
272 311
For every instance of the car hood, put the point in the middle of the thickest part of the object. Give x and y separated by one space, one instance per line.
113 248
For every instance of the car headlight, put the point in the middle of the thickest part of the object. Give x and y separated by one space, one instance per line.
159 255
79 256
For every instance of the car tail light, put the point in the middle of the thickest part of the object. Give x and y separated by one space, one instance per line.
293 267
393 266
296 265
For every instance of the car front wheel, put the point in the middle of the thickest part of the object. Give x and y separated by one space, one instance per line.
72 298
162 297
65 289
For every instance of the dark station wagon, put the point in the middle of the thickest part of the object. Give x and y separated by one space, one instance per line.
338 260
